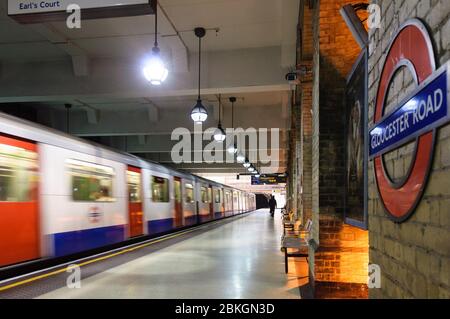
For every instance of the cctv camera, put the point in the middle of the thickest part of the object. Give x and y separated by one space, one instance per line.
291 76
293 79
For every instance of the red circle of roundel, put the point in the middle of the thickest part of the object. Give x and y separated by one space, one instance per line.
412 47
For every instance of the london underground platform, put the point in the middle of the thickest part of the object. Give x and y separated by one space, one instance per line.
236 258
142 135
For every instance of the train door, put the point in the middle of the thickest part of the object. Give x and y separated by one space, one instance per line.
178 221
222 204
211 203
19 215
134 180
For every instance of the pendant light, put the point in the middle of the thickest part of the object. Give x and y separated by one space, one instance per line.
154 70
199 114
247 164
232 148
251 169
219 134
240 158
257 173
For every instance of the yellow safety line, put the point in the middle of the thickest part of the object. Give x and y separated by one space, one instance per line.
56 272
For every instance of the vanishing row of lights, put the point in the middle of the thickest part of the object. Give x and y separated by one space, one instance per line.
219 136
156 73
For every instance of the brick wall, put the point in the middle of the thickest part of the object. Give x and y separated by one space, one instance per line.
306 150
343 252
315 141
342 258
414 256
306 60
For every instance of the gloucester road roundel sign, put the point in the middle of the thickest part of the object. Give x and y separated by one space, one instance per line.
416 118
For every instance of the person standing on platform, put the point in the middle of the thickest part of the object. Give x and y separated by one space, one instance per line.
272 205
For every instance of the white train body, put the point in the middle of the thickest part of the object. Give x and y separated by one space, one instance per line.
87 196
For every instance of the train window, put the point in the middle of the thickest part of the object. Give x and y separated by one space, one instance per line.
189 193
204 194
160 189
217 196
209 195
134 187
228 199
18 175
91 182
235 199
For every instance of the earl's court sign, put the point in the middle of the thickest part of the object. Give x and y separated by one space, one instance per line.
416 118
36 11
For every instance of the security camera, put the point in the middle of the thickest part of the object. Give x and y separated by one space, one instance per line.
293 79
291 76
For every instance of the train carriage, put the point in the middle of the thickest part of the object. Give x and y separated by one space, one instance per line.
83 200
60 195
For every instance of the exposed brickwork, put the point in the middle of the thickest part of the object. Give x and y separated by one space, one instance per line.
334 290
338 53
306 151
343 254
414 256
327 46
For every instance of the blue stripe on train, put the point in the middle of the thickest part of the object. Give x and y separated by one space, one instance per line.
204 218
160 226
76 241
190 220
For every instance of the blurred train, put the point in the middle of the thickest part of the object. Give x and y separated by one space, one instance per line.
60 195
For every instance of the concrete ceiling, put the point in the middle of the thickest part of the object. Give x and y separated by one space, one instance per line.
249 47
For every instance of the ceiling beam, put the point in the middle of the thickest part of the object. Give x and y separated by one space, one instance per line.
80 60
233 72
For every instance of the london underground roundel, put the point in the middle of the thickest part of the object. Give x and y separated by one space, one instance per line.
416 118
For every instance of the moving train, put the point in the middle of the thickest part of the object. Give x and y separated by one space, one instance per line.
60 195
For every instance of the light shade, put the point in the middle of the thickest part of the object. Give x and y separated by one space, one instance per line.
257 175
251 169
199 114
219 134
247 164
240 158
154 69
232 149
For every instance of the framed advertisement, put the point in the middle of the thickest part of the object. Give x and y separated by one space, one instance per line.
356 139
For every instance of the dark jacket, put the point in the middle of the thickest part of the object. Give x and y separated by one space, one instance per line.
272 203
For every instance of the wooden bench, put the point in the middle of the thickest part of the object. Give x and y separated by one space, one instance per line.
298 240
288 223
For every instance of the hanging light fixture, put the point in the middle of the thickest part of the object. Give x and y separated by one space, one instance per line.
232 148
247 164
154 69
256 172
251 169
199 114
240 158
219 134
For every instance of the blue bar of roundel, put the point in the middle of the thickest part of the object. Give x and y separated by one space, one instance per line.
431 121
81 240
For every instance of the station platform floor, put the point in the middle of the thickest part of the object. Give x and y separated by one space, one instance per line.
235 258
